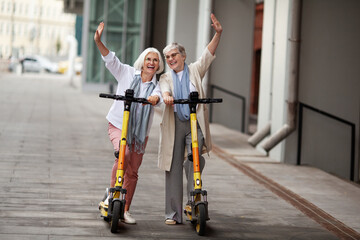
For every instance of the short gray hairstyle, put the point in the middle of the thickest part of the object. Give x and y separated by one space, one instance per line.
139 63
173 46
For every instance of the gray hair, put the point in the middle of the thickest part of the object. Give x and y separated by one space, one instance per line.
139 63
173 46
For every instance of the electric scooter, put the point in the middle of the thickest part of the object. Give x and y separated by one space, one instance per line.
197 210
114 210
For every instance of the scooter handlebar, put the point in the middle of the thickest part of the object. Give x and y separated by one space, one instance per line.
124 98
198 101
112 96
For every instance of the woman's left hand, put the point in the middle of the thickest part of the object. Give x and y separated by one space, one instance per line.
153 99
216 24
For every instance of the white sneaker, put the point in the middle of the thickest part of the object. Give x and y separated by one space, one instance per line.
128 218
170 222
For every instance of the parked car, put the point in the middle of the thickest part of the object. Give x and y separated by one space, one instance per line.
13 62
38 64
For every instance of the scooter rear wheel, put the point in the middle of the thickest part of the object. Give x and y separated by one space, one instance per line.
201 219
115 216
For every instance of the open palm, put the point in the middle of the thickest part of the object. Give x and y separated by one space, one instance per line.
216 24
98 32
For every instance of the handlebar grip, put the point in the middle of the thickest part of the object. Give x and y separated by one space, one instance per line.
112 96
141 100
124 98
106 95
198 101
215 100
181 101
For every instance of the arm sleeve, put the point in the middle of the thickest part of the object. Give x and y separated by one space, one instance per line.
164 84
157 92
116 68
203 63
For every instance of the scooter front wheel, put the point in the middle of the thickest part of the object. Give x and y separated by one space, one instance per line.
201 219
115 216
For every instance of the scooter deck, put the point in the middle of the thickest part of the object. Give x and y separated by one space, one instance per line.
103 209
188 213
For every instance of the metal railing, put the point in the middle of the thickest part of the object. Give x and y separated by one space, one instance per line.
352 125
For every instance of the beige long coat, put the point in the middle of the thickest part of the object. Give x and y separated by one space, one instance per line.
197 71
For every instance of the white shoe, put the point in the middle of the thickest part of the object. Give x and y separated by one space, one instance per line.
170 221
128 218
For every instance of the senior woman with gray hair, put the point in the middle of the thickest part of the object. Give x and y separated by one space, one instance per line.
142 79
175 132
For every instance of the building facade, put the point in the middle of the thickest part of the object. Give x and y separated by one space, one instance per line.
309 102
34 27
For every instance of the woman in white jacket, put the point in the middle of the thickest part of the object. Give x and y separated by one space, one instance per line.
141 78
175 126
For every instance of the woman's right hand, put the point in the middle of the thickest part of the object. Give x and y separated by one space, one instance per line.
97 38
168 99
98 32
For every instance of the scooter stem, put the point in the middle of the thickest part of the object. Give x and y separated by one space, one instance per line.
194 140
122 148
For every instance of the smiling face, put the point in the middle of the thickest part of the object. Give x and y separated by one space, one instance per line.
151 63
175 60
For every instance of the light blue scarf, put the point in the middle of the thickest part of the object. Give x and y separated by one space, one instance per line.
182 91
138 124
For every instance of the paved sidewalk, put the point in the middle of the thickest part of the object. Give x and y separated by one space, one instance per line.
56 158
325 198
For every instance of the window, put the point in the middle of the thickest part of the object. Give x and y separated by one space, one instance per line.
125 42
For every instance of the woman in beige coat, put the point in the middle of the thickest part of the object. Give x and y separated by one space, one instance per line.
175 132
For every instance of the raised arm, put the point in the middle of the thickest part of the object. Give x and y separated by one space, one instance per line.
216 39
97 38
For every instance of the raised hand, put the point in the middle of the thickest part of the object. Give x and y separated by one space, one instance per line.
98 32
212 46
216 24
97 38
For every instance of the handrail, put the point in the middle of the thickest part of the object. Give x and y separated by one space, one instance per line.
243 99
352 126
